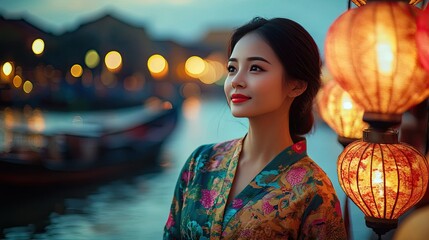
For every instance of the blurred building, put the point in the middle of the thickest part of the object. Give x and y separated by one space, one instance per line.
72 70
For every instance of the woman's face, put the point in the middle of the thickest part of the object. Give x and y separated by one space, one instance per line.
255 83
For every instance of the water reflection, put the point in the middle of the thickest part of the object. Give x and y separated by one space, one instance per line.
136 206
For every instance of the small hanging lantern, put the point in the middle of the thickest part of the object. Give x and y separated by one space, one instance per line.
371 52
339 111
383 177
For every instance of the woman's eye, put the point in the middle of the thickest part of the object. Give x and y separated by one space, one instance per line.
256 68
230 69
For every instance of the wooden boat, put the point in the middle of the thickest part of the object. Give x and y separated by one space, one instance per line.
103 145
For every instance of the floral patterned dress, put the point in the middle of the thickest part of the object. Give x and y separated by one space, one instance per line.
291 198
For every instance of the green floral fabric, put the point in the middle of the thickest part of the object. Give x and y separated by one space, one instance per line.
291 198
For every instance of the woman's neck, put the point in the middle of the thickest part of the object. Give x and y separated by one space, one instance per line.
266 138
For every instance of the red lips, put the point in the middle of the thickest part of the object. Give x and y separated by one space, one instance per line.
239 98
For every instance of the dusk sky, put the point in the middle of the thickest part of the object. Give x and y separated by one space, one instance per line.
181 20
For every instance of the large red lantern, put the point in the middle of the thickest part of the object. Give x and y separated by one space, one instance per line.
371 51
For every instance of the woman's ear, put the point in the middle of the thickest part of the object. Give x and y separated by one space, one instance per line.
296 88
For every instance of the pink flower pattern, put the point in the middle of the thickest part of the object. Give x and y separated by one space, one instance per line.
186 176
246 233
170 221
295 175
267 207
207 198
237 203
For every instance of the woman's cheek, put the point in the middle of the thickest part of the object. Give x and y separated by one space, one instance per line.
227 89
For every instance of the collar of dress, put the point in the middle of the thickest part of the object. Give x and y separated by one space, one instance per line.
280 163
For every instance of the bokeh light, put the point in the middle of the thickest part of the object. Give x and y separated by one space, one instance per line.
191 108
167 105
36 122
156 63
195 66
76 70
190 89
113 61
38 46
153 104
17 81
27 87
214 71
92 59
87 78
7 68
108 79
134 82
158 66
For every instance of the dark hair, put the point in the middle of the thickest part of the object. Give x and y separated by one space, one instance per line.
300 58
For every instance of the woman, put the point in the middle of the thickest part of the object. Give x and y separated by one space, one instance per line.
261 186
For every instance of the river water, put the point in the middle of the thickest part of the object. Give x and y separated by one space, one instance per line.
136 206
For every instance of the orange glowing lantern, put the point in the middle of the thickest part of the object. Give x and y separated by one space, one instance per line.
360 3
339 111
422 37
371 51
383 177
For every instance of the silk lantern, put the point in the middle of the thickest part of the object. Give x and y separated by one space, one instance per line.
339 111
371 52
383 177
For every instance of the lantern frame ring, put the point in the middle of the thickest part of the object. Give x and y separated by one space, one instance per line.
382 137
382 120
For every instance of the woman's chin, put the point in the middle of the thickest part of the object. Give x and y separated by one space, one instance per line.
239 114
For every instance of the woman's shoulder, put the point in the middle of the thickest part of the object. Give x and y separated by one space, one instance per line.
213 148
309 163
315 174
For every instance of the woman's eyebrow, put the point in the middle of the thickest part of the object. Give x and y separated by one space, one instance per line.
250 59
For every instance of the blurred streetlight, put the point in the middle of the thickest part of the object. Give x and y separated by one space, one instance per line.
113 61
38 46
92 59
157 65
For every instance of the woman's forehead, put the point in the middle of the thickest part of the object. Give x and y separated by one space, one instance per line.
252 44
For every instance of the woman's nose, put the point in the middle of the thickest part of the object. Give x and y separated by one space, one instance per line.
238 81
